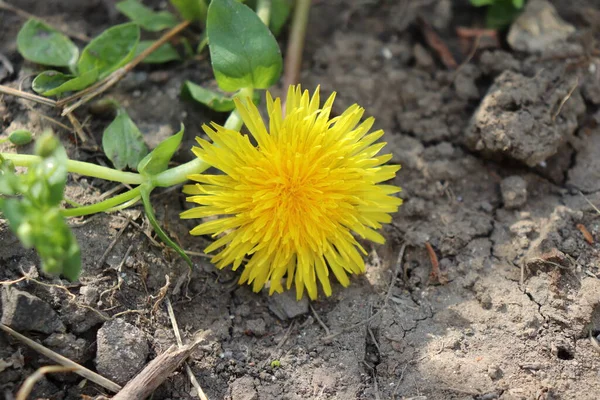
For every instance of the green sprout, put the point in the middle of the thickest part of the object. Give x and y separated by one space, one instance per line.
500 13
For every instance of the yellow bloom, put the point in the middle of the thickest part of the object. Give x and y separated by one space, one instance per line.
292 201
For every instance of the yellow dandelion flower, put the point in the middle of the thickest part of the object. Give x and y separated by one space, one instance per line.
291 201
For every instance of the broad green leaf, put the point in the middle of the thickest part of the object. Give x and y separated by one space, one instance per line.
20 137
158 159
163 54
44 45
243 51
191 10
123 143
159 231
146 18
280 12
52 83
518 3
212 100
112 49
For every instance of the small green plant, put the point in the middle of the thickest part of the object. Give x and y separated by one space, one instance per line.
288 202
500 13
19 137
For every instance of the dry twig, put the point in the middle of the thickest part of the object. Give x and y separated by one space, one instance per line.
78 369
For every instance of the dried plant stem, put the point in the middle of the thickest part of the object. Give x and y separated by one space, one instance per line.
78 369
189 371
293 58
100 87
27 96
31 380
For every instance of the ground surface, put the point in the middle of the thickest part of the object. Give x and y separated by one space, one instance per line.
494 154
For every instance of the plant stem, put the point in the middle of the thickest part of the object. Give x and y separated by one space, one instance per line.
81 168
293 59
27 96
263 10
103 205
179 174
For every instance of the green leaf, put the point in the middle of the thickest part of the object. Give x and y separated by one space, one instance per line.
501 14
20 137
161 234
158 159
481 3
163 54
112 49
518 3
145 17
213 100
280 12
52 83
123 143
243 51
34 216
42 44
191 10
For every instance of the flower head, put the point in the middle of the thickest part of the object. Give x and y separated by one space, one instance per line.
290 202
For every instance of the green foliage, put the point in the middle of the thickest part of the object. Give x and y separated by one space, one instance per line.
500 13
163 54
44 45
112 49
146 18
158 159
213 100
30 202
191 10
123 143
19 137
52 83
244 53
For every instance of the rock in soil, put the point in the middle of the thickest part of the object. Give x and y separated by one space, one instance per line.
526 118
68 345
538 28
514 191
586 160
243 389
285 306
122 351
25 312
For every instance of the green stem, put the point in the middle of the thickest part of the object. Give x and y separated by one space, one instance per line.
293 58
179 174
263 10
81 168
103 205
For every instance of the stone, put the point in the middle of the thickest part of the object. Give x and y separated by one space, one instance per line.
25 312
243 389
68 345
538 28
285 306
256 327
519 117
514 192
122 350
